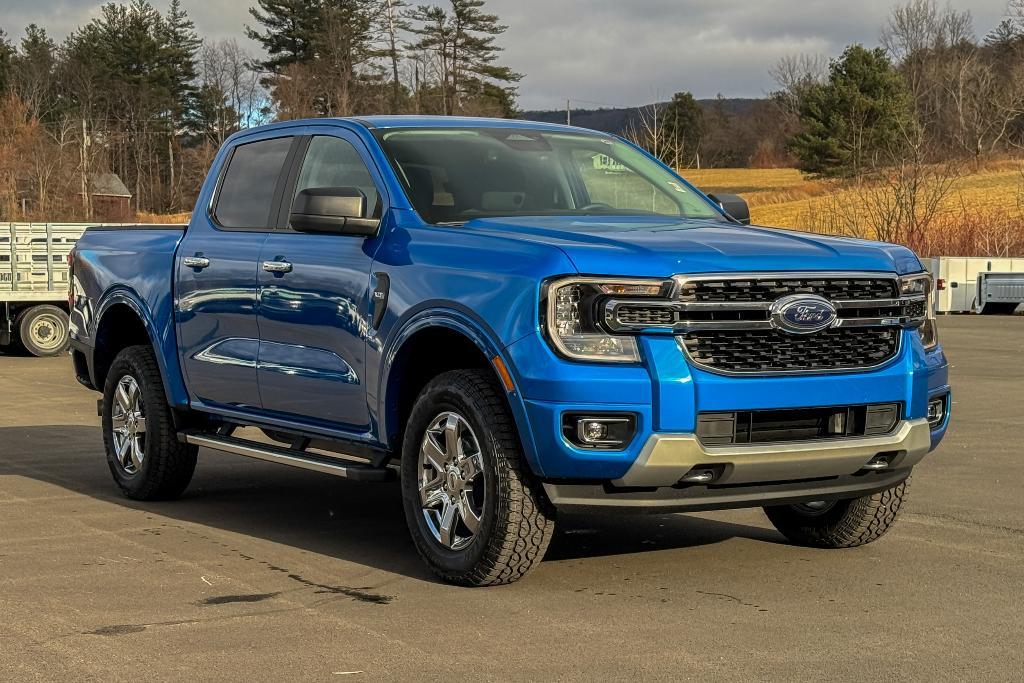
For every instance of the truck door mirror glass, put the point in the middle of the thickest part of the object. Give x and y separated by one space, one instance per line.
734 205
338 210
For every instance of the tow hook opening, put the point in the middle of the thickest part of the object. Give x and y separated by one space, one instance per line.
701 475
881 461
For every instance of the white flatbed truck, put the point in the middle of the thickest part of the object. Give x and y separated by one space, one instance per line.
34 285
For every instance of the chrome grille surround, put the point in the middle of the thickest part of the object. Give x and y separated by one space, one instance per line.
724 322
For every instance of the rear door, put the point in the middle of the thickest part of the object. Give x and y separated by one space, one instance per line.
313 310
217 264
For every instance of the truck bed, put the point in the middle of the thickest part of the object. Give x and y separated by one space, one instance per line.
132 265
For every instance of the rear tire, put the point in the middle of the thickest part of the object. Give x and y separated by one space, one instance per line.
840 523
143 452
499 522
43 330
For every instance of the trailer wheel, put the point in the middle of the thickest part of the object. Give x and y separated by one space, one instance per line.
43 330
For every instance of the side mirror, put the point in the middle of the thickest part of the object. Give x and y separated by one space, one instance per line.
733 205
335 210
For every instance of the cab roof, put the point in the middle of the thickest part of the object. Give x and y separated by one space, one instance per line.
418 121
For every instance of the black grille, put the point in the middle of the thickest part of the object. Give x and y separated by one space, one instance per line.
768 289
643 315
775 351
797 424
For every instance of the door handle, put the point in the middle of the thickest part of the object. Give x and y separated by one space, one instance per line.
198 262
277 266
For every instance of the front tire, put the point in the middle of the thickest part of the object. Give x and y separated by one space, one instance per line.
143 452
477 515
840 523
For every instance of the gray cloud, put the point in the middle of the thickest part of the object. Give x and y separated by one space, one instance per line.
605 51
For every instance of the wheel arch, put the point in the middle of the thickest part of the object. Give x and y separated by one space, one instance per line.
123 321
434 342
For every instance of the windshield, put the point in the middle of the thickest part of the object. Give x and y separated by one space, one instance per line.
453 175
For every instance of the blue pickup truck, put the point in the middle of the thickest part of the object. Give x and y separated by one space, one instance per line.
514 320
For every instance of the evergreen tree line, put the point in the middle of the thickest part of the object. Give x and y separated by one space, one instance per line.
138 92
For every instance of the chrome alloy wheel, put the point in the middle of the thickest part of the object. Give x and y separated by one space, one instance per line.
128 419
451 481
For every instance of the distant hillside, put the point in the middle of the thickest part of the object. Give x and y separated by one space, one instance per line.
618 120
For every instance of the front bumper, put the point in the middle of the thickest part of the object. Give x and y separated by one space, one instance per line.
667 457
666 395
751 475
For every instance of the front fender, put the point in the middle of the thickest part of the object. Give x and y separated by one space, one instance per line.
461 320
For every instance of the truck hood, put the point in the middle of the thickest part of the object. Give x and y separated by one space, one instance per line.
659 246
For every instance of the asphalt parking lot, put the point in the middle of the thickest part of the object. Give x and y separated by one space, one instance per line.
266 573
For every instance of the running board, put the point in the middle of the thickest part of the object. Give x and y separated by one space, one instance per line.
288 456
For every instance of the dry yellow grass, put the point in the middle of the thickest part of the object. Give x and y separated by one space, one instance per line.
759 186
173 218
784 197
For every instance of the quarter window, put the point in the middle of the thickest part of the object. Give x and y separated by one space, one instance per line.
247 192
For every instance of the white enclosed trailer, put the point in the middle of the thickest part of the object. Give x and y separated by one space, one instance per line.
956 279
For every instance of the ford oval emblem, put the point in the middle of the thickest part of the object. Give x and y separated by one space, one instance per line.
803 313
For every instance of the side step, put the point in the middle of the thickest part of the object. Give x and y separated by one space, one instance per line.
289 456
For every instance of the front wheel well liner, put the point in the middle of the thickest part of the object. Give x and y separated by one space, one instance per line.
424 355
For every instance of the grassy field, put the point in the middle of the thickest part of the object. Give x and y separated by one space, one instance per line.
783 197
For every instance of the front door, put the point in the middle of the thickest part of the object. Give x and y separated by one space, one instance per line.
313 291
216 279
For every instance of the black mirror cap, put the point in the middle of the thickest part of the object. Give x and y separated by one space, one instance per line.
338 210
734 206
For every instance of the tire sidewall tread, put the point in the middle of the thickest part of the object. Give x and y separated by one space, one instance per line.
518 521
848 524
169 464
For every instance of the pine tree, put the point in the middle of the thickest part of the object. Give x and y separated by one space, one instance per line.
289 31
857 119
6 60
33 72
473 51
1004 37
463 42
181 43
683 130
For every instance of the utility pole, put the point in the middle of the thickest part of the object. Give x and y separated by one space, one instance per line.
568 114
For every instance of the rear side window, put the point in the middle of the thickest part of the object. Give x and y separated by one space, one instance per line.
247 193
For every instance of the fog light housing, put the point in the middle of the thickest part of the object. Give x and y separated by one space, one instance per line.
937 411
603 431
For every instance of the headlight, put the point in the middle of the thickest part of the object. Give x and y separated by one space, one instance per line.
572 323
921 285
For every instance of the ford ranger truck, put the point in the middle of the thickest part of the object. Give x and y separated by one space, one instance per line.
515 320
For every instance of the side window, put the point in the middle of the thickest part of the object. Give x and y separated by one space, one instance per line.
247 192
333 162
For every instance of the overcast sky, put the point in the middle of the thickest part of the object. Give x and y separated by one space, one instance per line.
611 52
